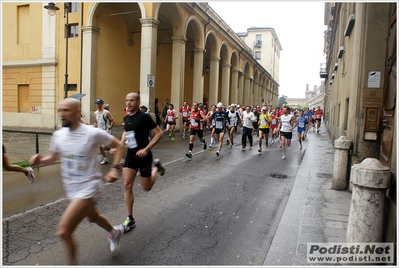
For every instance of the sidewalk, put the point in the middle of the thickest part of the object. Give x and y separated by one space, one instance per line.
314 212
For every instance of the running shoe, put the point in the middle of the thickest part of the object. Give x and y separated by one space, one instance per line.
189 154
228 142
231 145
205 145
161 169
173 139
260 150
170 135
272 141
30 175
115 241
210 146
242 148
217 153
183 136
128 224
283 156
104 162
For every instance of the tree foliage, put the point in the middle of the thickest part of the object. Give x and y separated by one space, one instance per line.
282 100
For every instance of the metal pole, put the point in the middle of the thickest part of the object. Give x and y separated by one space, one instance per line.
37 143
66 10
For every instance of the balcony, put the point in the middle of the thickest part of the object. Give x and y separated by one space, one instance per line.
323 71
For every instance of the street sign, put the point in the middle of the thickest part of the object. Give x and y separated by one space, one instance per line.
150 80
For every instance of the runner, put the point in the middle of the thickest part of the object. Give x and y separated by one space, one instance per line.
247 118
185 113
196 128
11 167
302 122
171 117
274 125
211 124
101 118
264 120
234 122
139 155
77 146
318 115
221 123
286 129
313 112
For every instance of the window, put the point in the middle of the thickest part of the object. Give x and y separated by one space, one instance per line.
23 24
73 30
258 37
257 55
72 7
347 114
339 114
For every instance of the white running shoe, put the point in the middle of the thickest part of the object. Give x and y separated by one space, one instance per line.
30 175
217 153
283 156
104 162
115 241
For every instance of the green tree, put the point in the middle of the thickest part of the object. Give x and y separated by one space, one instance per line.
282 100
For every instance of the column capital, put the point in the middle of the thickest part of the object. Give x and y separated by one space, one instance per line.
90 29
149 22
177 39
226 65
214 58
198 50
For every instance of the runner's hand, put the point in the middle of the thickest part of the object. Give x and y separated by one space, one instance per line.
34 160
111 176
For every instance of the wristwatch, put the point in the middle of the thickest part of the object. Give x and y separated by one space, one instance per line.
147 149
117 166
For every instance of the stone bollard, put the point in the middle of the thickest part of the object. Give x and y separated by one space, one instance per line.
341 155
370 181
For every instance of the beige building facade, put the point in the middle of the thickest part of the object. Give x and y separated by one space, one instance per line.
360 87
181 51
265 46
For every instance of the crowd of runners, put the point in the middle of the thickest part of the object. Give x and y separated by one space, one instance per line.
80 165
268 122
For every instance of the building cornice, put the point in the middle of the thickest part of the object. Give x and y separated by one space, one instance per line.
30 63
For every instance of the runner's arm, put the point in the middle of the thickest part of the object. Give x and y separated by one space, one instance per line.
48 159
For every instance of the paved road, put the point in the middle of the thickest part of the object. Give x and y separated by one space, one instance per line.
206 211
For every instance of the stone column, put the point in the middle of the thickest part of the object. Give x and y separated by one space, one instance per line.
341 156
177 83
247 91
214 97
198 80
370 181
225 83
234 86
148 59
89 71
241 90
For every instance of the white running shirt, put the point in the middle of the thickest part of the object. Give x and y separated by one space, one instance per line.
78 150
286 123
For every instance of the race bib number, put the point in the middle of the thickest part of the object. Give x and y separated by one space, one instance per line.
219 124
74 165
185 114
263 122
194 123
274 121
301 124
131 141
170 118
318 116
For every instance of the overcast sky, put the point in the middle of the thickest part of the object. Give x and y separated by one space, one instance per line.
299 26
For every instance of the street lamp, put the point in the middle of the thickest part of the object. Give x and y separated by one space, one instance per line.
52 8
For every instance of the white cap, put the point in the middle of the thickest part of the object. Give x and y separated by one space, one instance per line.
232 104
220 105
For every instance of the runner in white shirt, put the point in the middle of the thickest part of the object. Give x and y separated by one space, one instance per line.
77 146
286 129
247 118
104 121
234 120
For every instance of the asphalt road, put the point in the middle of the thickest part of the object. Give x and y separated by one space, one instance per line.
206 211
